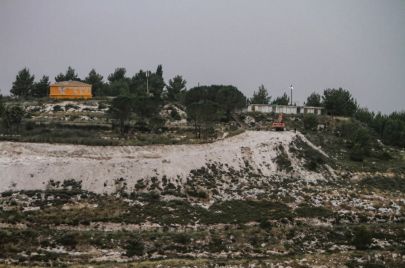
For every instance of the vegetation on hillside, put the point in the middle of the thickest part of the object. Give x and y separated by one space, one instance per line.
138 101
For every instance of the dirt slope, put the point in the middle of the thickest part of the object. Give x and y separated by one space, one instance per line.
26 166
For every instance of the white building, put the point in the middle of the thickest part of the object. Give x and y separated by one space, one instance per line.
285 109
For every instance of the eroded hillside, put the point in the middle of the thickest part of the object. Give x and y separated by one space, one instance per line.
28 166
263 198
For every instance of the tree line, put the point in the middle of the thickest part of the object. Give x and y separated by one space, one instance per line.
338 102
142 95
205 106
118 83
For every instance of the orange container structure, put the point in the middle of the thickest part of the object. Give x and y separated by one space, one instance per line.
70 90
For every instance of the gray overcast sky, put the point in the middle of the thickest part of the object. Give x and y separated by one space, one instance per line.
318 44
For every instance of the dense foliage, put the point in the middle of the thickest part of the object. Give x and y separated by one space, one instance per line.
96 80
41 88
261 96
389 128
339 102
206 104
2 106
125 106
12 117
70 74
176 88
23 84
314 100
146 91
283 100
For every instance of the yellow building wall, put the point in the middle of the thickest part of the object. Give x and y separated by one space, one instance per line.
58 92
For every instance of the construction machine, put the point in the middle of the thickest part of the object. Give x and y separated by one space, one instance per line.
279 124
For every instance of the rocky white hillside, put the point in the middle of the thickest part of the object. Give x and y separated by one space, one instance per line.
266 198
243 160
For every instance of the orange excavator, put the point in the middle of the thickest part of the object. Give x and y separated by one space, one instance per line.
279 125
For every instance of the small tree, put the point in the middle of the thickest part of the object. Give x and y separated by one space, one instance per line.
121 110
12 117
230 99
261 96
358 140
2 106
157 83
176 86
116 88
146 107
69 75
339 102
362 238
310 121
23 84
314 100
364 115
283 100
41 88
202 114
118 74
134 246
394 132
96 80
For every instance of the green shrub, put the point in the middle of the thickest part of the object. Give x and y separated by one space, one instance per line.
102 105
2 107
68 240
70 106
175 115
198 193
57 108
12 117
240 211
384 156
134 247
357 153
362 238
313 212
182 238
384 183
29 125
310 121
147 197
72 184
265 224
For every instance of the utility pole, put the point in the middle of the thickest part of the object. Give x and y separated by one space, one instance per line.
291 88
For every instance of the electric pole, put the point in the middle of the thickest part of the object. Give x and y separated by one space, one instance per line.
291 89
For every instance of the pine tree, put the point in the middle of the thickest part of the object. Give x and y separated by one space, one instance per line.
339 102
175 87
159 71
2 106
118 74
69 75
314 100
261 96
157 83
96 80
41 88
283 100
23 84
